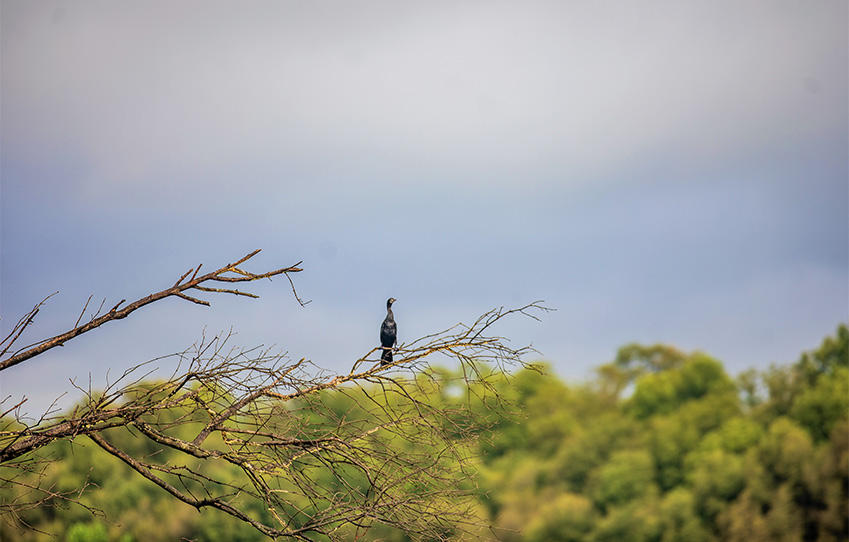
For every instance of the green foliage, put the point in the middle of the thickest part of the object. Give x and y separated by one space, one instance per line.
679 521
565 518
635 521
820 407
690 455
814 391
832 355
87 532
664 392
627 476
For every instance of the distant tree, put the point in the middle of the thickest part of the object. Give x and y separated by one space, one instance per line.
285 447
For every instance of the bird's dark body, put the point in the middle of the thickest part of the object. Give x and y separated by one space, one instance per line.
388 334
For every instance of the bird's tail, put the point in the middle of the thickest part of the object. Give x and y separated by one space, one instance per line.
386 357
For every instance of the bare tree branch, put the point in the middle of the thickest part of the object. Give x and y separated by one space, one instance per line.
22 324
177 290
297 450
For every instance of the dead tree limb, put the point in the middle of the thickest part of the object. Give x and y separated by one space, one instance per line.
178 290
281 445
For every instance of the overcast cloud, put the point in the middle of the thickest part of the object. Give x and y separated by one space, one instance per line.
658 172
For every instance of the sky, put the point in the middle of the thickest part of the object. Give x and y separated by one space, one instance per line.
661 171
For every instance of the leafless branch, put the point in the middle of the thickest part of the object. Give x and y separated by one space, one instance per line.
22 324
322 453
177 290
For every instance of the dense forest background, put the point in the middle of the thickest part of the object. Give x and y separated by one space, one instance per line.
660 445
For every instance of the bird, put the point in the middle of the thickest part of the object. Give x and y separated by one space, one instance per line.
388 333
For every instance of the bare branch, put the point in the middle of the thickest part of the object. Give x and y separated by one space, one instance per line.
317 453
82 312
192 299
177 290
22 324
225 291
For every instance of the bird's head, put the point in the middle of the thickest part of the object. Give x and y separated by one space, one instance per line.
390 301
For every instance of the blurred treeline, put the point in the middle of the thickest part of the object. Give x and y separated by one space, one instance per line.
660 446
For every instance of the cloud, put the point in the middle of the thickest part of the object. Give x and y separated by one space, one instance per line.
648 169
198 92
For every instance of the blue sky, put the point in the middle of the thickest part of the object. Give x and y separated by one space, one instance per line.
657 172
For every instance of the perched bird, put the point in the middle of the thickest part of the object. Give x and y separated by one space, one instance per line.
388 333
